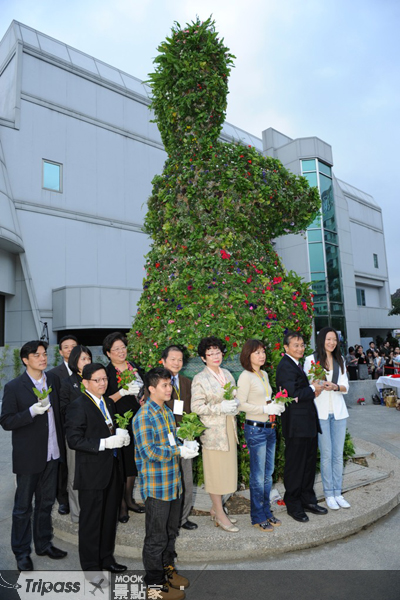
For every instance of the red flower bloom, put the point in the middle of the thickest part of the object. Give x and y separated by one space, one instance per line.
234 344
277 280
224 254
248 280
189 287
227 338
157 265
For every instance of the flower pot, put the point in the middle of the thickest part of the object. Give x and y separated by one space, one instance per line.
120 431
191 444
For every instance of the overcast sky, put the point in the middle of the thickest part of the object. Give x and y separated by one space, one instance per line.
310 68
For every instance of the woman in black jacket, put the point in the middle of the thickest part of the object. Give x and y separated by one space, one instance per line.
70 390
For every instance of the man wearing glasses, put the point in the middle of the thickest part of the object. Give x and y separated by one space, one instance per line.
91 431
38 445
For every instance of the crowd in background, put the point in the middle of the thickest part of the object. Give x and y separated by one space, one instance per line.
373 362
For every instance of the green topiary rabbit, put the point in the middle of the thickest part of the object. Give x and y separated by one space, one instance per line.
213 212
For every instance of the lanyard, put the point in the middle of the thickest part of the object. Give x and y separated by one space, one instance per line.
166 419
106 418
263 382
220 377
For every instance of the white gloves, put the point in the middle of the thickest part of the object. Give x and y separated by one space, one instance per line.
133 389
115 441
228 407
125 436
38 409
187 452
274 408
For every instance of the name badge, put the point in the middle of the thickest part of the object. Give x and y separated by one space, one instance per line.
178 407
171 439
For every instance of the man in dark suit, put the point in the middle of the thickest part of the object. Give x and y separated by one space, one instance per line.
90 429
65 346
172 359
300 427
38 445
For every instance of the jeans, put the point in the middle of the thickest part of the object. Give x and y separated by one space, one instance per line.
261 443
331 443
44 487
162 524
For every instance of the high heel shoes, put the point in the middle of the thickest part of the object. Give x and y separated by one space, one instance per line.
137 509
230 529
213 516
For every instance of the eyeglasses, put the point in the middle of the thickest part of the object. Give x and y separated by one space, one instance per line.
214 353
38 354
118 350
100 380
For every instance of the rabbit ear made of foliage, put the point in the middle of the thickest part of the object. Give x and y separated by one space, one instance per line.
212 269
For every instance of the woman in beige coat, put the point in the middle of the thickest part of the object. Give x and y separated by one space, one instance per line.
219 440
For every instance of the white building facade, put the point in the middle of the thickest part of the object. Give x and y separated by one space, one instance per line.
77 156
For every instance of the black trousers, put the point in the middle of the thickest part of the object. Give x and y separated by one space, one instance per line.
62 492
299 473
98 523
162 524
43 486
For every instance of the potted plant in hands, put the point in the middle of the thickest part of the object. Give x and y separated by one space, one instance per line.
123 422
191 428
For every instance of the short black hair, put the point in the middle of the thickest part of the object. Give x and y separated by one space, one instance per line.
67 337
210 342
351 349
75 356
110 339
153 376
89 370
174 348
31 348
290 335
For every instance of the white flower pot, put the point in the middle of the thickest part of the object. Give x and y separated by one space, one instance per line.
191 444
120 431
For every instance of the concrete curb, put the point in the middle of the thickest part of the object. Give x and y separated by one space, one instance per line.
208 543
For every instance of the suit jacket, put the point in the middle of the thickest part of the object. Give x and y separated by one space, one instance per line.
300 419
70 390
30 434
85 427
61 371
185 393
207 395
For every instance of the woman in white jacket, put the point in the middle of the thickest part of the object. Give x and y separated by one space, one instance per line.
332 413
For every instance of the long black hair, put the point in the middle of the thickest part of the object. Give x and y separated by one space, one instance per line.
321 348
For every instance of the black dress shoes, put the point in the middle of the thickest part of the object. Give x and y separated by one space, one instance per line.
316 509
189 525
25 563
123 519
63 509
53 552
115 568
299 516
137 509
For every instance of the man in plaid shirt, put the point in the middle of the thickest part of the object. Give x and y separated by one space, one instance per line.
157 458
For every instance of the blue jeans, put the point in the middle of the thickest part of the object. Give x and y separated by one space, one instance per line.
331 443
261 443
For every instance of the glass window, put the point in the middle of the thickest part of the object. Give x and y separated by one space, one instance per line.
308 165
328 207
360 297
376 261
336 308
320 323
316 224
52 176
316 253
331 238
319 289
323 168
312 179
321 308
314 235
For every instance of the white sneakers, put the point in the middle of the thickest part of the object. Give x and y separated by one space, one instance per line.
342 502
331 503
334 503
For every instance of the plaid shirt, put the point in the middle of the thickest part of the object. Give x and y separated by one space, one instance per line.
156 460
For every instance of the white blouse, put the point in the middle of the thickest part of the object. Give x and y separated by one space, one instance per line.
329 402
